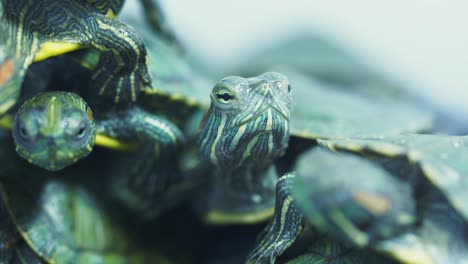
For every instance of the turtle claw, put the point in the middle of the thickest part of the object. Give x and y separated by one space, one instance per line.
121 88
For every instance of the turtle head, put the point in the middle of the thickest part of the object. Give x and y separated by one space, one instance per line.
243 132
54 130
248 120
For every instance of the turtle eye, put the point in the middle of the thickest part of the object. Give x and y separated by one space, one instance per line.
225 97
77 125
26 127
289 88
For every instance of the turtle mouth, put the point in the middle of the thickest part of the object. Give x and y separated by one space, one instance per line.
46 154
271 107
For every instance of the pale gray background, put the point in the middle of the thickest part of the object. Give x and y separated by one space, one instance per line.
422 43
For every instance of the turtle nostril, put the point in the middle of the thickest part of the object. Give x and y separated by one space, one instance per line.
24 132
81 132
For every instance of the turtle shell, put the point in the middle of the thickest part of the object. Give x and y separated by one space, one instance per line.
442 160
321 57
178 91
412 185
323 111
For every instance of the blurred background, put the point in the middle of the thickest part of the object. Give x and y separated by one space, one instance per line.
421 44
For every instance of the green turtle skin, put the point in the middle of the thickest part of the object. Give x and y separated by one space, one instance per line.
28 25
232 129
53 130
288 227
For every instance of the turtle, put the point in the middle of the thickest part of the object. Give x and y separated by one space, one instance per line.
400 196
235 132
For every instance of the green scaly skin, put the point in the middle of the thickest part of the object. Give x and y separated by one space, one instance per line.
54 130
246 128
28 24
289 230
143 180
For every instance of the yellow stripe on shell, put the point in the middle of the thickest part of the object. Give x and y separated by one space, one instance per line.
51 49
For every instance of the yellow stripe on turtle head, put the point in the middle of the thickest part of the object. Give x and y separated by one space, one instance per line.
54 112
375 203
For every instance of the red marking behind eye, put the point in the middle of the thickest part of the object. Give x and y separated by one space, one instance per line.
11 240
90 114
6 71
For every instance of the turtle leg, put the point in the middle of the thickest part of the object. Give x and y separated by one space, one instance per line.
122 68
135 123
121 71
283 229
140 179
